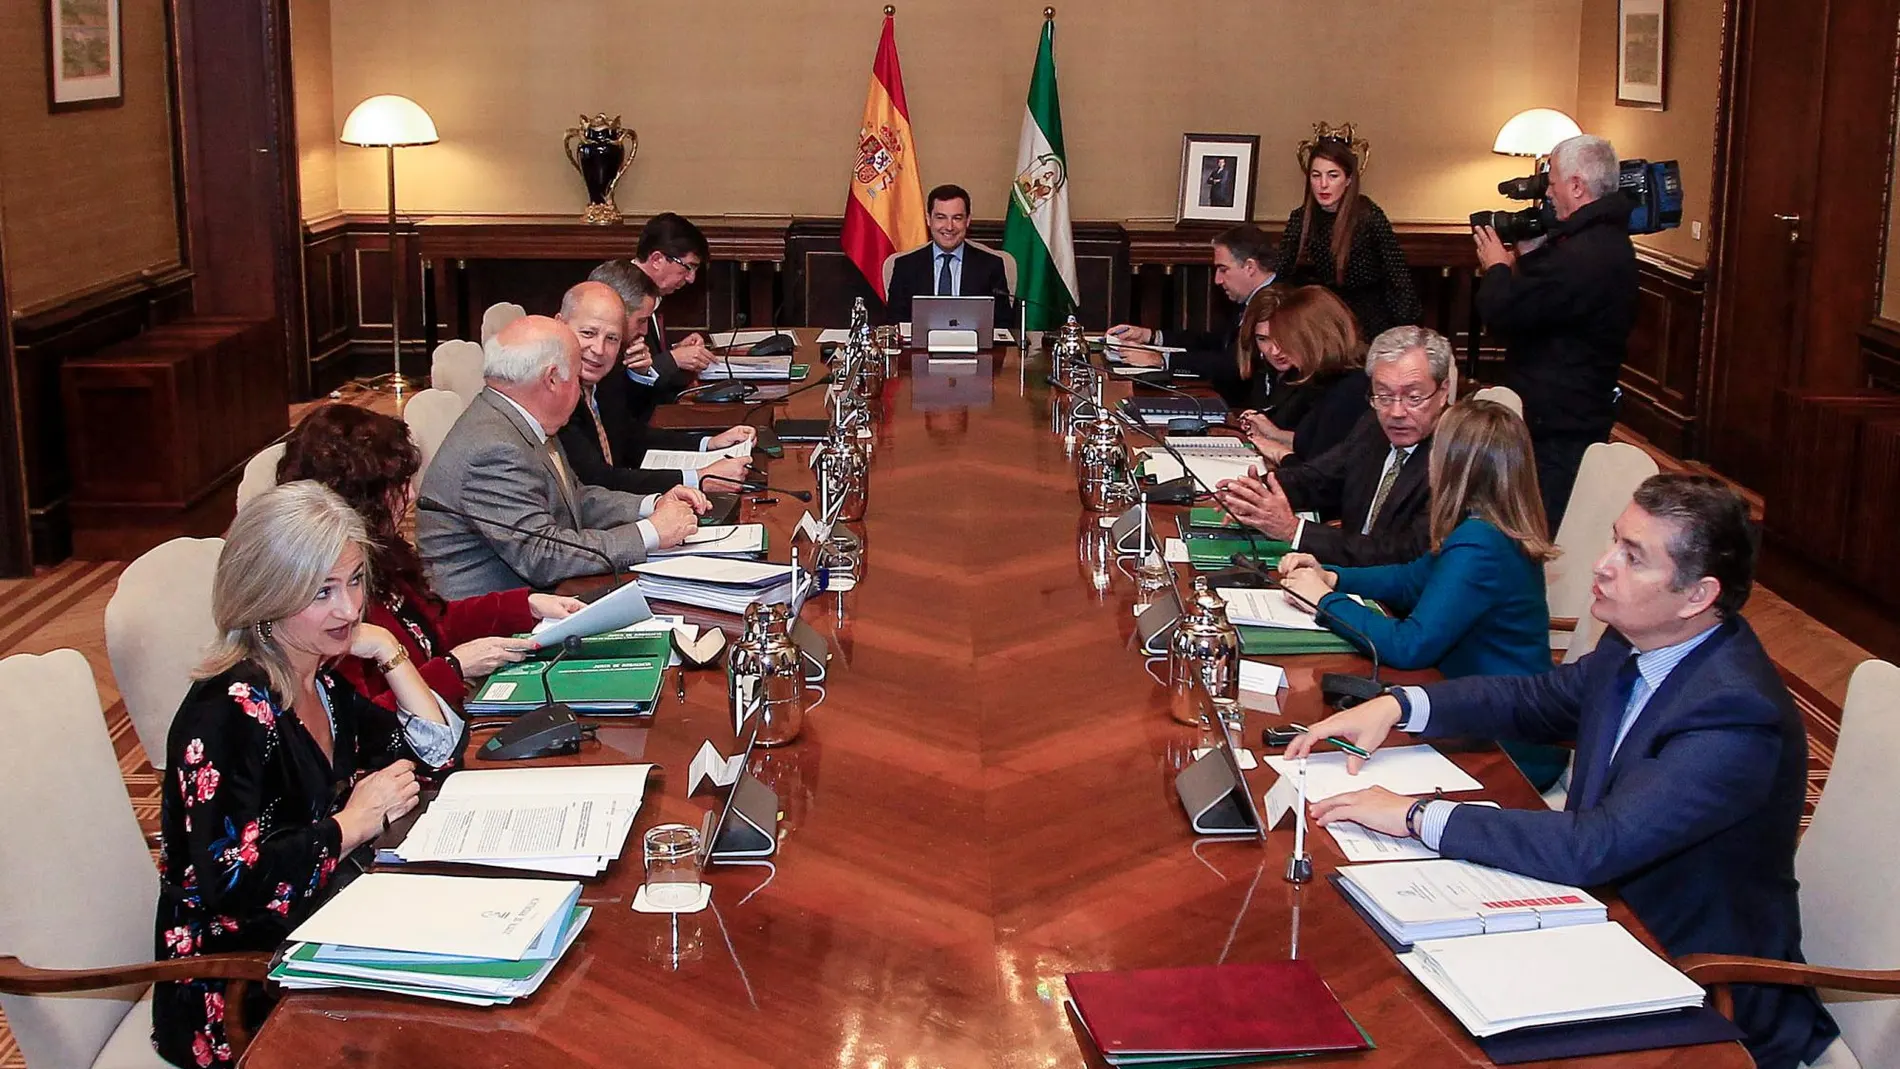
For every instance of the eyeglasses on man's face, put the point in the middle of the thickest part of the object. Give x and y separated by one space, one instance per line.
1412 402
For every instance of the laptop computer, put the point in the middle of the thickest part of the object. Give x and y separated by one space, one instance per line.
941 315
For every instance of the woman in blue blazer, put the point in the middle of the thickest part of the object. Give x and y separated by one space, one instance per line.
1475 604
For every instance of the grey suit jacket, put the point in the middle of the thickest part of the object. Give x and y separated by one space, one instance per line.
492 465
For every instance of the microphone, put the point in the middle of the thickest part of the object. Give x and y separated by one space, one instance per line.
758 488
1174 491
718 392
1343 689
429 504
1182 424
570 646
768 437
777 343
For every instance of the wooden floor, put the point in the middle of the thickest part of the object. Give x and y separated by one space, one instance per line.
64 606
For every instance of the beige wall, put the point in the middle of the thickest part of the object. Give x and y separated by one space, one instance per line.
317 121
86 197
1685 131
747 107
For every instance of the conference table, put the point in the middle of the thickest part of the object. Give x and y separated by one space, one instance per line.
982 802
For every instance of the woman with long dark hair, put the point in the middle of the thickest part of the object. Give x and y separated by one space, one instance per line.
368 459
1340 239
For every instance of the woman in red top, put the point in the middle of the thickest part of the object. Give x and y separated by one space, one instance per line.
368 459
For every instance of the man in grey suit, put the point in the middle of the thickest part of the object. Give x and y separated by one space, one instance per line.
502 464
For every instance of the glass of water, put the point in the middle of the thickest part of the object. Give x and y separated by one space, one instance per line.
672 866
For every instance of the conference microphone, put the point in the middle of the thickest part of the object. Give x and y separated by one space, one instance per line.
429 504
768 437
1182 424
717 392
758 488
1173 492
1343 689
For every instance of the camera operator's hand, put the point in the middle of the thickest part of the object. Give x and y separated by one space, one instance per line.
1491 251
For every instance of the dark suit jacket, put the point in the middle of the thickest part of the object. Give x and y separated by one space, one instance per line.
915 275
1339 485
672 379
580 439
1694 822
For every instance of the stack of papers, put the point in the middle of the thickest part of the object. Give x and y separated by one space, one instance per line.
480 942
692 459
1270 608
1498 983
717 583
732 540
761 368
1208 471
747 337
570 819
1444 898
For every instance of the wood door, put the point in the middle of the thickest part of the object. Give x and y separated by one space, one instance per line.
1761 294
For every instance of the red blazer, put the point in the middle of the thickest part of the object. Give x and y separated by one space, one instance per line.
429 633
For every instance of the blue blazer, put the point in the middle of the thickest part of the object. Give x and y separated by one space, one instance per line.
1475 607
1693 823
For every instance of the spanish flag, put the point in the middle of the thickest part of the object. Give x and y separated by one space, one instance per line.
885 212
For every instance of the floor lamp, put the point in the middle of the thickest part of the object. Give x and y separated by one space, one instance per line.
390 122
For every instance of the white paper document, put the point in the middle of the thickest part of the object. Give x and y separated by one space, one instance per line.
1174 551
837 335
479 917
1111 344
623 607
1267 608
1445 898
741 337
1210 470
1261 677
693 459
1498 983
1362 844
1410 770
477 830
620 787
717 540
716 570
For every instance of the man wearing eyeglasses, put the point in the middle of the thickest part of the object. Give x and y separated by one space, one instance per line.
671 253
1375 483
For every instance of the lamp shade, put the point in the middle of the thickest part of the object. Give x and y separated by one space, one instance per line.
388 120
1529 133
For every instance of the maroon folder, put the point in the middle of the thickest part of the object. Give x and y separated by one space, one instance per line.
1280 1007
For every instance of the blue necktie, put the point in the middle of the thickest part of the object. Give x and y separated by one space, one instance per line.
1599 769
944 285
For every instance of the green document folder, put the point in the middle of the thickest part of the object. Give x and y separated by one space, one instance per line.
606 686
1258 641
615 672
1211 518
1212 550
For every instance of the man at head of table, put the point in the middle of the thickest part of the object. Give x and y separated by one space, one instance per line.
1691 760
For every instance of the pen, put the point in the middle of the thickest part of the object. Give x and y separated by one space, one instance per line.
1356 751
679 681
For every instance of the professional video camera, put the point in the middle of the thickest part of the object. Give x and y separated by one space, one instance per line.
1656 188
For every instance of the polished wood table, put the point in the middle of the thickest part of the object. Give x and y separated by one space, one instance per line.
983 802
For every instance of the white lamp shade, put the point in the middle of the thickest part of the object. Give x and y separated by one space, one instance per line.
388 120
1530 133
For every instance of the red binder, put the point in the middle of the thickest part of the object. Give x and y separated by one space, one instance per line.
1280 1007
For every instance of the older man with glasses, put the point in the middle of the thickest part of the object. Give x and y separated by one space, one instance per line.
1374 483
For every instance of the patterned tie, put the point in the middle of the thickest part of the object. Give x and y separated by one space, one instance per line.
944 285
1385 489
600 428
563 477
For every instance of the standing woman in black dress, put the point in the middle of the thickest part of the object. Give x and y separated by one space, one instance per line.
278 770
1341 240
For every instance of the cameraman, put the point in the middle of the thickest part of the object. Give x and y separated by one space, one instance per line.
1565 311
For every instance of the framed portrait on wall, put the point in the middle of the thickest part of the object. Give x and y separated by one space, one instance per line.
1217 177
84 58
1642 37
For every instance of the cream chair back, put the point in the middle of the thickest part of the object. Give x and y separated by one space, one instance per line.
498 316
260 472
1847 867
158 625
457 368
77 885
1608 477
429 415
1502 395
1584 639
1009 264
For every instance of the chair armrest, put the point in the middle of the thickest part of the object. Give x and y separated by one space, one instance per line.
1563 623
1707 969
18 978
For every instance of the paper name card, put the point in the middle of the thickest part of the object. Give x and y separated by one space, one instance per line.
1261 677
710 767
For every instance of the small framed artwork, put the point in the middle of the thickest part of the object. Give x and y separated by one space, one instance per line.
1642 37
83 55
1217 177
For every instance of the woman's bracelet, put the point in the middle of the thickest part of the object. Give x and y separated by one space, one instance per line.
401 657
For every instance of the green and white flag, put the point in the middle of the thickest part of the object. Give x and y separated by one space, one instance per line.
1037 231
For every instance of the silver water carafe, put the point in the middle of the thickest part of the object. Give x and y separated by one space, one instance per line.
1101 468
781 671
1204 655
742 664
843 477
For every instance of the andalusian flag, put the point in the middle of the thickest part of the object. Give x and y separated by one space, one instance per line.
1037 231
885 212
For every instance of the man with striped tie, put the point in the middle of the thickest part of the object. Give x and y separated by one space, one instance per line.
1375 483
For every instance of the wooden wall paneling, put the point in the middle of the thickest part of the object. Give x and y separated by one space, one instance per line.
242 202
43 342
1815 502
1880 354
1871 560
16 538
1663 375
330 308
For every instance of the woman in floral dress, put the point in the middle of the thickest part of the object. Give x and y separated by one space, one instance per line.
277 768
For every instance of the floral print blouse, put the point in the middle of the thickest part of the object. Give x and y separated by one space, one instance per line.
250 844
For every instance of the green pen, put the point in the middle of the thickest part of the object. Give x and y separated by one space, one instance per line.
1336 741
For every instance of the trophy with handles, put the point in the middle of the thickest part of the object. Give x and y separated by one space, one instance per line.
601 150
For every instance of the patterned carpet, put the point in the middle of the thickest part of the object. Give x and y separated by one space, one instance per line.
71 584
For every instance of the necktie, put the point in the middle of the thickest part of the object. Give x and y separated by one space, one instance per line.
600 428
560 468
1600 755
1385 488
944 285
